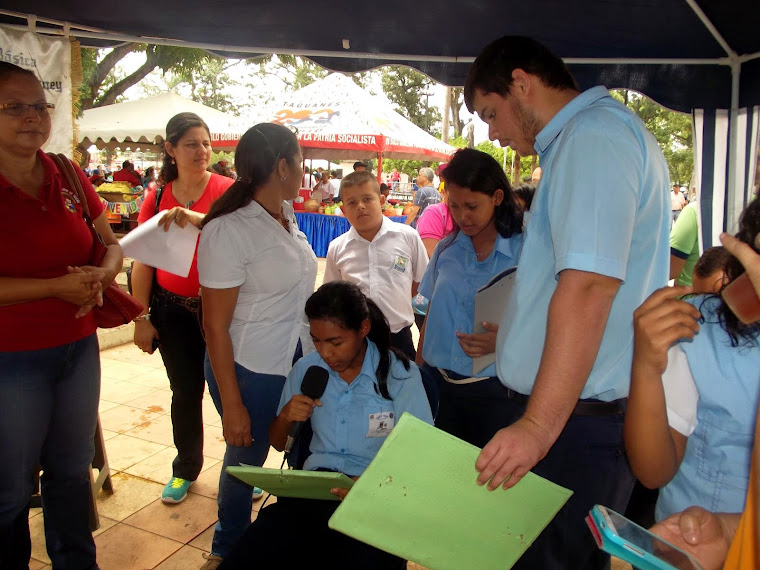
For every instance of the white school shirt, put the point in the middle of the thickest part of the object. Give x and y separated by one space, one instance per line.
275 271
384 268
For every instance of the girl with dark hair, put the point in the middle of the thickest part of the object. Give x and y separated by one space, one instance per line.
486 240
695 386
369 386
256 272
49 357
171 319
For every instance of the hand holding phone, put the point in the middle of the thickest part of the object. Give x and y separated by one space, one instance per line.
626 540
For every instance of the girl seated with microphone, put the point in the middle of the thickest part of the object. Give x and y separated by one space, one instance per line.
366 376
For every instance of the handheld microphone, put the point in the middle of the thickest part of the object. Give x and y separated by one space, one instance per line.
313 385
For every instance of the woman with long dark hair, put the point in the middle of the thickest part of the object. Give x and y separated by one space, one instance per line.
256 272
171 319
695 388
370 385
487 239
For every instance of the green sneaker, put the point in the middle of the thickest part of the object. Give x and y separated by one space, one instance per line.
257 493
176 490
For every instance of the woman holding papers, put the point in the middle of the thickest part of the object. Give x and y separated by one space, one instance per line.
256 271
370 385
488 240
171 320
49 357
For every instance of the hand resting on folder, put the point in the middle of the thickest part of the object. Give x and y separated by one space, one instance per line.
479 344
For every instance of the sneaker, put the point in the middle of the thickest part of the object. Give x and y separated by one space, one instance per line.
176 490
257 493
212 562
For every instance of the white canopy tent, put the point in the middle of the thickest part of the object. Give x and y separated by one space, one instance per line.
142 123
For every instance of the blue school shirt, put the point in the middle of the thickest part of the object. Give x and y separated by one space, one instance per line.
453 276
602 206
714 472
341 425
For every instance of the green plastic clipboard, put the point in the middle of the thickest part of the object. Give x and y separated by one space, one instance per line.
293 483
419 500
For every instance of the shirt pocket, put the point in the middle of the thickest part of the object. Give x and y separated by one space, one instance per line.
724 453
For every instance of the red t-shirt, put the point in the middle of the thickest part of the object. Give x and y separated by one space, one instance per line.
126 176
40 237
185 286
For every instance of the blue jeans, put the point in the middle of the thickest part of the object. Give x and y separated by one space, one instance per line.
48 413
261 396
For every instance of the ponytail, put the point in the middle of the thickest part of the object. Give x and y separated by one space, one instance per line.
256 157
380 334
344 304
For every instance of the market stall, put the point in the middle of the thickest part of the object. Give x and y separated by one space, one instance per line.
142 123
321 229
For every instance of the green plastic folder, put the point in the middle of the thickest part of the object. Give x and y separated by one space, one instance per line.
419 500
293 483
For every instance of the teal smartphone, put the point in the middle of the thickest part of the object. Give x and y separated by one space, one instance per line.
626 540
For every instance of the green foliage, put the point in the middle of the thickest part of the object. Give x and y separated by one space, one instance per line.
207 83
672 130
228 157
409 90
104 84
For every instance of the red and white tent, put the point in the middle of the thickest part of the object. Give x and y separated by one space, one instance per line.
337 120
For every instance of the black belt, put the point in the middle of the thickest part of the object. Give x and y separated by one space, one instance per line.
583 407
189 303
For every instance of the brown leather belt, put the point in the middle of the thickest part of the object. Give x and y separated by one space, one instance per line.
189 303
583 407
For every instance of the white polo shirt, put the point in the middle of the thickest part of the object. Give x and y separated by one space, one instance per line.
275 271
384 268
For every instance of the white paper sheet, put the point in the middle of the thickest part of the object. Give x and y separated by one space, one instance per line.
491 302
171 251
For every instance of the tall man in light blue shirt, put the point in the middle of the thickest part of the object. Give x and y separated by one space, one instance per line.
596 246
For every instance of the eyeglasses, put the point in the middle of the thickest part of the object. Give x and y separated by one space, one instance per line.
21 109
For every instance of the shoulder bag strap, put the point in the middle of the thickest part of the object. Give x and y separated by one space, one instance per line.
70 176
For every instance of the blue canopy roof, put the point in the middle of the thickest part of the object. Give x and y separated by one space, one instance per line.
679 52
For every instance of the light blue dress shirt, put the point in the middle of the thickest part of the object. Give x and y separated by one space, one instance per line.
602 206
453 276
715 469
341 424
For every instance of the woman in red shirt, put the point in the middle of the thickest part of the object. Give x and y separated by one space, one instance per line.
49 356
172 323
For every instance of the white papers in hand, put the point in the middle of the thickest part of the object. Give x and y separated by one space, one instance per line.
491 302
171 251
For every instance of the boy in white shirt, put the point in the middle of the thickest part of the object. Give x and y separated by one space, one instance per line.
385 259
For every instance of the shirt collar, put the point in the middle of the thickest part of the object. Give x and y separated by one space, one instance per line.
505 246
51 174
386 226
552 129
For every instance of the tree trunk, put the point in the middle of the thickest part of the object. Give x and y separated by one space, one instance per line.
118 88
456 107
101 72
446 114
516 168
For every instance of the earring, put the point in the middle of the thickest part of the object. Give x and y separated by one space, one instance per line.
173 160
283 179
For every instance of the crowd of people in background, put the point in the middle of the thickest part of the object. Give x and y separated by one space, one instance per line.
600 376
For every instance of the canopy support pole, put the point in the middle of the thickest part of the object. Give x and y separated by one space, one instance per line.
379 167
733 190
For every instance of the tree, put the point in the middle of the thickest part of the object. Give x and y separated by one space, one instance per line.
207 84
405 88
672 130
102 84
457 100
295 72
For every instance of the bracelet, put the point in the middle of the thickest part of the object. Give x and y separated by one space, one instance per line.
145 317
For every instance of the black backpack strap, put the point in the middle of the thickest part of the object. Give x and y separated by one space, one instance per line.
159 195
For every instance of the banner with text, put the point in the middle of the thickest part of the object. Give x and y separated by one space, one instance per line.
50 60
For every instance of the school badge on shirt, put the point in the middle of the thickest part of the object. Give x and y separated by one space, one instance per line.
380 424
400 263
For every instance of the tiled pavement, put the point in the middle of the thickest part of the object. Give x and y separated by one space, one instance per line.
137 531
